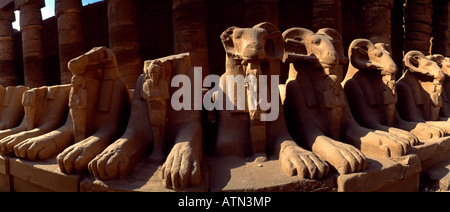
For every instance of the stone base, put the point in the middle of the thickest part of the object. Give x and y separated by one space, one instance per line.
437 178
432 152
5 177
383 174
40 176
237 174
145 177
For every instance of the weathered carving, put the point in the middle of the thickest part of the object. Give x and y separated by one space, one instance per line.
45 110
444 63
371 78
150 115
99 105
249 51
11 110
419 91
316 106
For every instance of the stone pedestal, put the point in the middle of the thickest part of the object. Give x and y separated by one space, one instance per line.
432 152
41 176
70 35
145 177
240 175
31 26
384 175
5 177
7 60
437 178
124 39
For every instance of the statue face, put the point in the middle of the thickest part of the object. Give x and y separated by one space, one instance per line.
154 73
250 42
320 45
446 66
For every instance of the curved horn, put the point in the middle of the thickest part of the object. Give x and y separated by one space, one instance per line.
337 43
294 47
358 52
412 56
438 58
227 41
274 44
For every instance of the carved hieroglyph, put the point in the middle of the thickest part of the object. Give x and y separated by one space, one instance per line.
45 110
182 166
251 51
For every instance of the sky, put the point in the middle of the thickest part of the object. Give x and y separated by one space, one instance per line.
48 11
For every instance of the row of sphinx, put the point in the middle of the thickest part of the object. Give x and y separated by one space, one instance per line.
326 119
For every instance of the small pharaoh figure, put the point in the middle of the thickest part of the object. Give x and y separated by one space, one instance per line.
78 104
257 127
436 99
156 93
389 97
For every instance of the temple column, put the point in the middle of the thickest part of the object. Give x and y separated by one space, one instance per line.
31 28
418 25
257 11
70 34
189 30
441 43
124 39
377 15
327 14
8 75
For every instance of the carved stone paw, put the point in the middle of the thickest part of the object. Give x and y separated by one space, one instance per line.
110 164
297 161
76 157
182 167
343 157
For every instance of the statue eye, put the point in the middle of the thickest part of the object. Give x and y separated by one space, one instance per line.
378 53
315 41
238 34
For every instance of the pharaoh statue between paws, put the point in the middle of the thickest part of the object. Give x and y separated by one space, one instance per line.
371 78
257 51
444 63
154 126
419 91
316 107
45 110
99 107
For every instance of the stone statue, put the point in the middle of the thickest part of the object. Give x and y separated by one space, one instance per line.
317 112
252 51
419 91
444 63
45 110
156 93
99 107
155 126
371 77
11 109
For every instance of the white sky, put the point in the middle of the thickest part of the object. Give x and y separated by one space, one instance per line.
48 11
